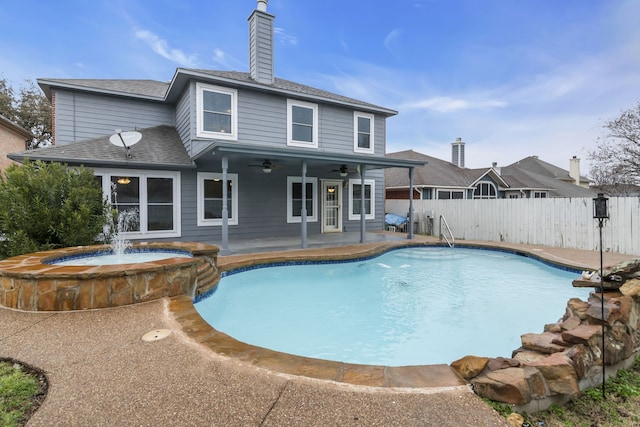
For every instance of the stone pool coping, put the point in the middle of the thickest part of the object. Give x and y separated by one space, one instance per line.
419 376
30 283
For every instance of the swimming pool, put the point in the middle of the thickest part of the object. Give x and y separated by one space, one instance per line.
411 306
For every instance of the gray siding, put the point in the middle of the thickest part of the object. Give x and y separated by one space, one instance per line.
183 117
262 204
261 47
82 116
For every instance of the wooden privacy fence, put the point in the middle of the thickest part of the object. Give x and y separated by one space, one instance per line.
556 222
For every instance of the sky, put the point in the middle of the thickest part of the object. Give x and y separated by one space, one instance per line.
512 78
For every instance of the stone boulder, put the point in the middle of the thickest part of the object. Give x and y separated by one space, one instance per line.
546 342
502 363
559 374
583 359
506 385
631 288
470 366
584 334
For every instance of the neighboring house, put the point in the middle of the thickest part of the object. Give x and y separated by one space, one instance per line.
440 179
12 138
527 178
225 154
535 178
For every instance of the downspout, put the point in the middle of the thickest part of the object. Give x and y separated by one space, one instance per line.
410 227
363 214
303 210
225 208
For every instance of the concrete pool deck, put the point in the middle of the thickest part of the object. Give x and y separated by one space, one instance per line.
101 371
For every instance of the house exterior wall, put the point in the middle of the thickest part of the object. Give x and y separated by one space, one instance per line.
262 121
10 142
263 213
81 115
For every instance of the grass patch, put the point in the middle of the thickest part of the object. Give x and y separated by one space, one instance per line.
22 390
620 407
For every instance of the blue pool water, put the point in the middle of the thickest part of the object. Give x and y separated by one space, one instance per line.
411 306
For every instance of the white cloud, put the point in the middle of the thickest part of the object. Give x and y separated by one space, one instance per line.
392 39
161 47
284 38
445 104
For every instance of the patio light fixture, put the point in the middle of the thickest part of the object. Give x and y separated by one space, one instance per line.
601 212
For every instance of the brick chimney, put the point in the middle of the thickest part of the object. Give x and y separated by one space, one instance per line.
457 153
574 169
261 44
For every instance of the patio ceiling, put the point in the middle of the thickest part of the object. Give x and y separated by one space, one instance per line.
295 156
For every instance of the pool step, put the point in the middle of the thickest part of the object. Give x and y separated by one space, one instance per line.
208 277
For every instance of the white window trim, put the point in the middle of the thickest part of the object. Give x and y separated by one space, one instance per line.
233 219
106 175
311 216
371 117
314 135
540 194
357 181
438 190
201 132
490 184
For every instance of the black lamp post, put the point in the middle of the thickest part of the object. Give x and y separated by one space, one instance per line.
600 212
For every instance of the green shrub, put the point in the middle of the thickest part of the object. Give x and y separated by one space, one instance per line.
49 205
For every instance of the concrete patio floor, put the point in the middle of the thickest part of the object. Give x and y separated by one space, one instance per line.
102 373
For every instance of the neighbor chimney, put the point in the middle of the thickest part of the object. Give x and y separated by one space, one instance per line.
457 153
495 167
574 169
261 44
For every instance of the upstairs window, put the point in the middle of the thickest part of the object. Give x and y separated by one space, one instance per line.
302 124
217 112
485 190
363 138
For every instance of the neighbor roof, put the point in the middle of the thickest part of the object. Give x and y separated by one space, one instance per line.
5 122
436 173
531 173
159 148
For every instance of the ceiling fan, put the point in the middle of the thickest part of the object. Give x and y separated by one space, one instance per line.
266 166
344 171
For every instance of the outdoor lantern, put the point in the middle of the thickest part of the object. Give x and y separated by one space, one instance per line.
600 207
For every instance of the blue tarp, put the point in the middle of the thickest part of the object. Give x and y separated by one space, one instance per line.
395 220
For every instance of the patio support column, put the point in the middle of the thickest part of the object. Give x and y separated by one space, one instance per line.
410 225
225 209
303 210
363 213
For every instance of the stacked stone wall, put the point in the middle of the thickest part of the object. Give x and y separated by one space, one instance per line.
28 283
567 357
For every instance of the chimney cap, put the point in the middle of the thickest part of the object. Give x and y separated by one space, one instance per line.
262 5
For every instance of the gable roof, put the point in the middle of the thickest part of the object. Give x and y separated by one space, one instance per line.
171 91
436 173
160 147
531 173
8 124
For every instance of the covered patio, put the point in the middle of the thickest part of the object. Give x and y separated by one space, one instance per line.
328 167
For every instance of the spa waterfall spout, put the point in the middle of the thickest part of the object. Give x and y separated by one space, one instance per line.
126 221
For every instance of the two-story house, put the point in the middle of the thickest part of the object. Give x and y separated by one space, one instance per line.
222 155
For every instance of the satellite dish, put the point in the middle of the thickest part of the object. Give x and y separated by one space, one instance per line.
125 139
